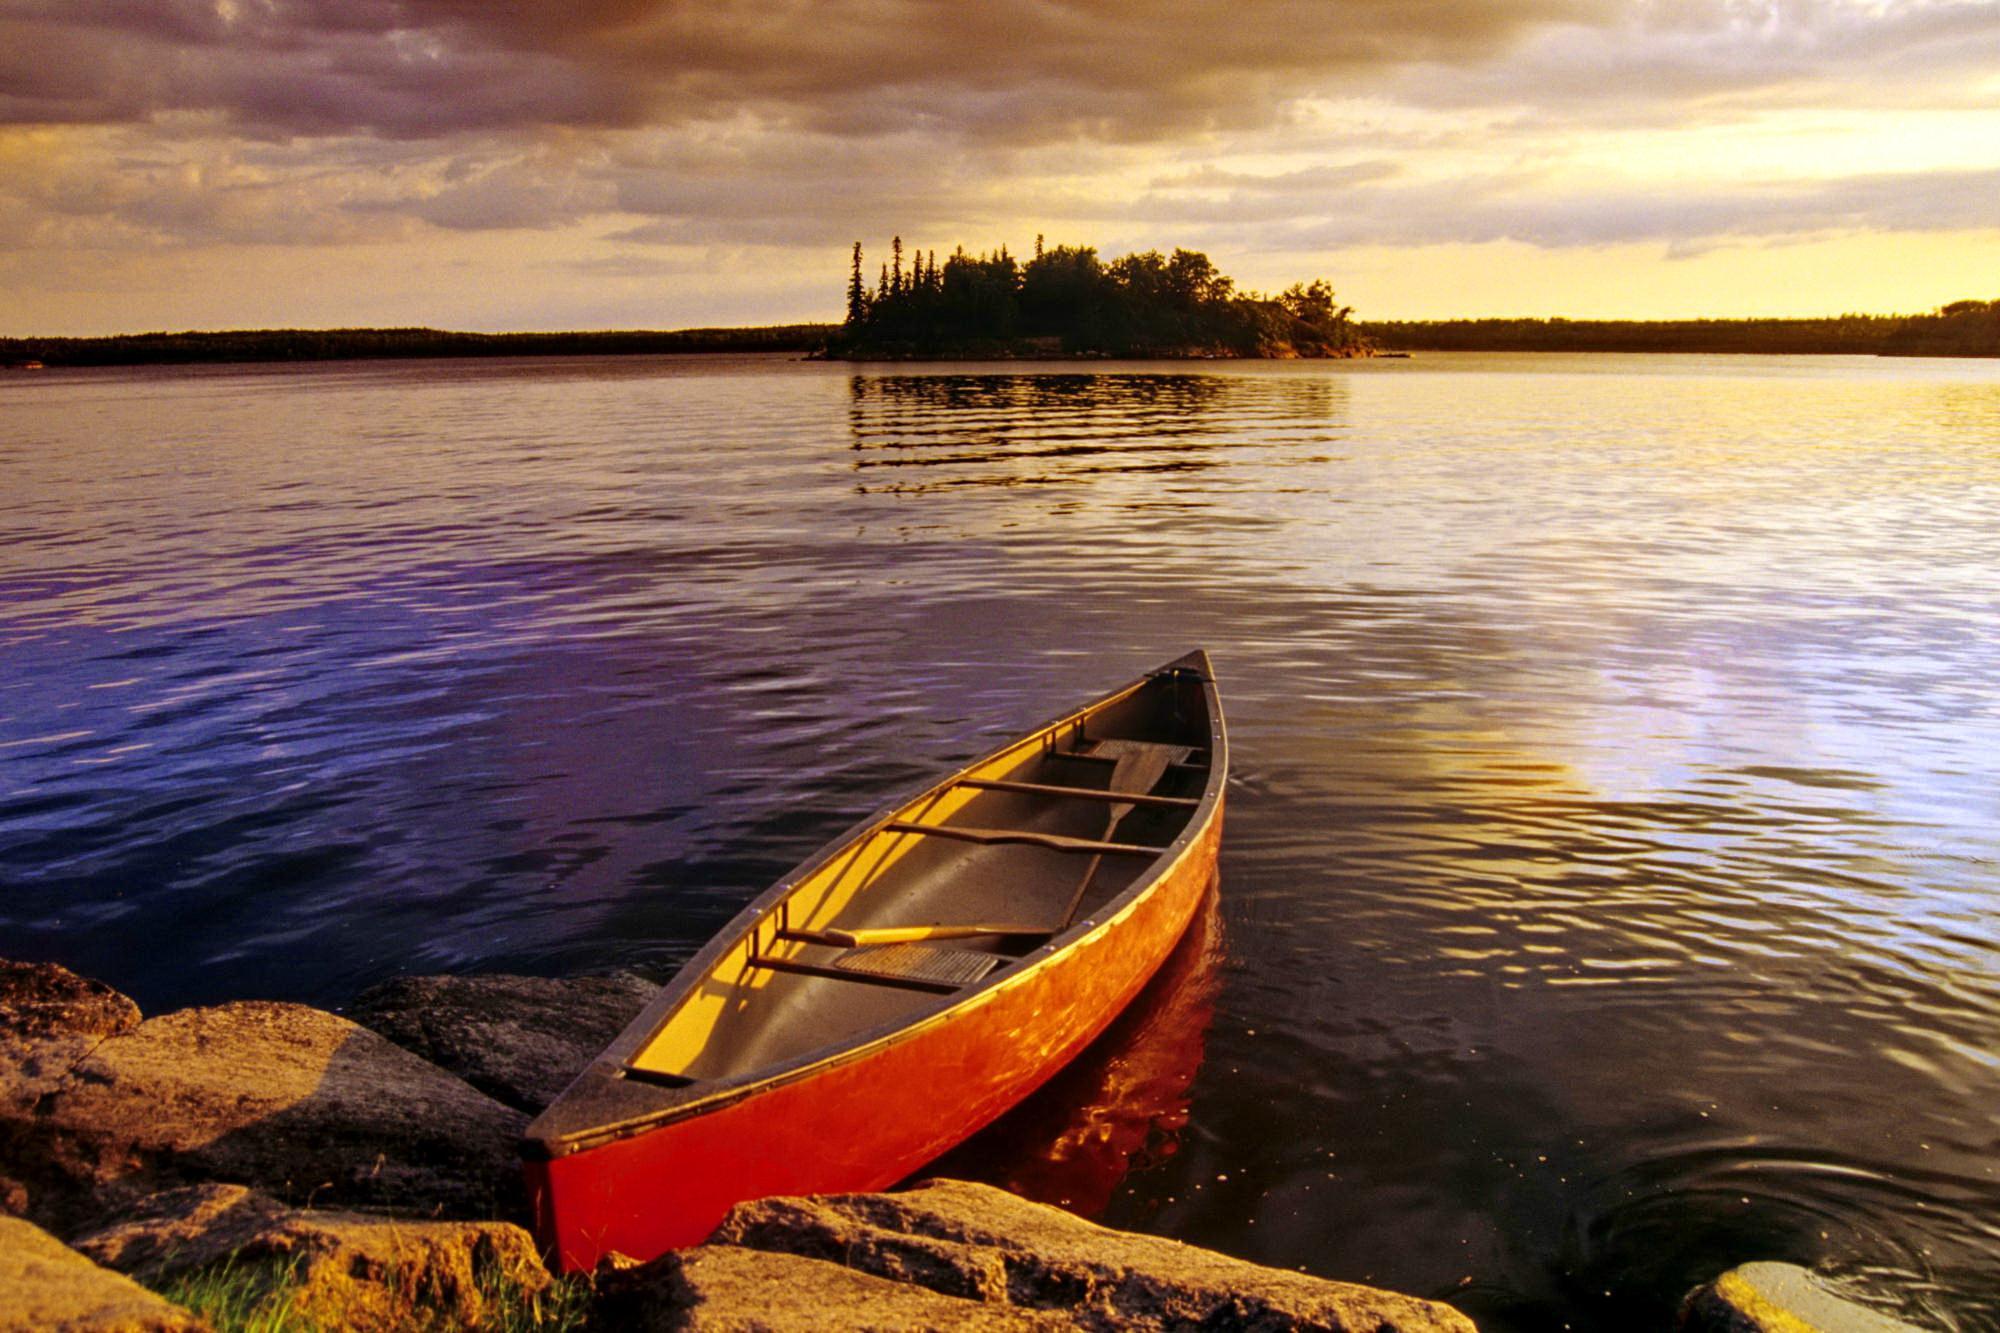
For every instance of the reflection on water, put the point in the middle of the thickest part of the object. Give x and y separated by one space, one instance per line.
1052 428
1120 1105
1610 871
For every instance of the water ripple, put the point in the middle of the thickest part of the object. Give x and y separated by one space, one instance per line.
1610 869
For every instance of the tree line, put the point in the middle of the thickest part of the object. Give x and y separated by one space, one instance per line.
1963 328
1066 301
237 345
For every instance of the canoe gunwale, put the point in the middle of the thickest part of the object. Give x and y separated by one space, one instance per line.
612 1099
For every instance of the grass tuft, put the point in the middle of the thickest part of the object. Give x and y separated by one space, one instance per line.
253 1297
257 1297
561 1307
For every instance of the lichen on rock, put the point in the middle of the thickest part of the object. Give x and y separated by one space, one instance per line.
340 1269
48 1287
978 1243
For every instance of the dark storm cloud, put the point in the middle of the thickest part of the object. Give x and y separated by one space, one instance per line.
1004 69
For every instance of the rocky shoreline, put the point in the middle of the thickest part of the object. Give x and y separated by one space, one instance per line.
362 1174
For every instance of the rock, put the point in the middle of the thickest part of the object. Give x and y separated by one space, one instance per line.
518 1039
289 1099
718 1289
340 1270
50 1018
1778 1298
47 1287
979 1243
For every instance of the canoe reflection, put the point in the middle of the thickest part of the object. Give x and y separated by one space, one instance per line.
1119 1106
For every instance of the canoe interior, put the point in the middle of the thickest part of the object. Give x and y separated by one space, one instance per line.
745 1015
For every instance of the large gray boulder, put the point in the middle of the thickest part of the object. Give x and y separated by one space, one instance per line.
294 1101
518 1039
334 1269
47 1287
977 1243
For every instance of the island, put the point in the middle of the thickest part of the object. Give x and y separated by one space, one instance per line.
1066 302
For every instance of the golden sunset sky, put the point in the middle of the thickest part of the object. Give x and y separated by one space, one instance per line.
534 164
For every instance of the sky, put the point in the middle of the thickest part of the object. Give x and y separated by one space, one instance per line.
554 164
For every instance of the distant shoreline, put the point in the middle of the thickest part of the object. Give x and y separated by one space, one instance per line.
244 346
1964 329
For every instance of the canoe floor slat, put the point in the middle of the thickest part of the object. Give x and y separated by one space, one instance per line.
1080 793
1054 842
919 962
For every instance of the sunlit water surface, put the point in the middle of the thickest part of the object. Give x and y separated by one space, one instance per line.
1613 842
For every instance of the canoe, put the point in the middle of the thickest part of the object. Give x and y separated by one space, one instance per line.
902 988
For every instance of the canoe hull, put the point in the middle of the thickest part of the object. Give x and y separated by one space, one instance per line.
866 1119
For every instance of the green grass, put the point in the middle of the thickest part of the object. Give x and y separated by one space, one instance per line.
561 1307
241 1297
256 1297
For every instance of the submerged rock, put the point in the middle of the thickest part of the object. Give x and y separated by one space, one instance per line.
339 1270
518 1039
717 1289
1779 1298
298 1102
48 1287
982 1244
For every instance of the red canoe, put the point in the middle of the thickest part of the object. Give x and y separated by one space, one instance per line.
903 987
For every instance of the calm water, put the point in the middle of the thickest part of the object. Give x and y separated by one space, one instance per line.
1615 834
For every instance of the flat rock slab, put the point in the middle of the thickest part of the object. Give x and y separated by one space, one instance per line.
1779 1298
294 1101
718 1289
978 1243
47 1287
341 1270
520 1040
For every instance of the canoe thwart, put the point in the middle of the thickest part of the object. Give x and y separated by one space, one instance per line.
776 964
861 937
1080 793
1054 842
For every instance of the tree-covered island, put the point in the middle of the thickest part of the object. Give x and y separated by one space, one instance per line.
1065 302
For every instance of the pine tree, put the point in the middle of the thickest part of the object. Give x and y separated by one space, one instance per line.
882 285
1038 245
857 293
896 267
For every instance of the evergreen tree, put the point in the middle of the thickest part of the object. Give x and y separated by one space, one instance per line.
857 293
896 266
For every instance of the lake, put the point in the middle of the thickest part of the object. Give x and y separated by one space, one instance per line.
1614 832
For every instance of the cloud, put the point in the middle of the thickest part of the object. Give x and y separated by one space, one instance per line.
622 130
1712 58
1006 69
1300 212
